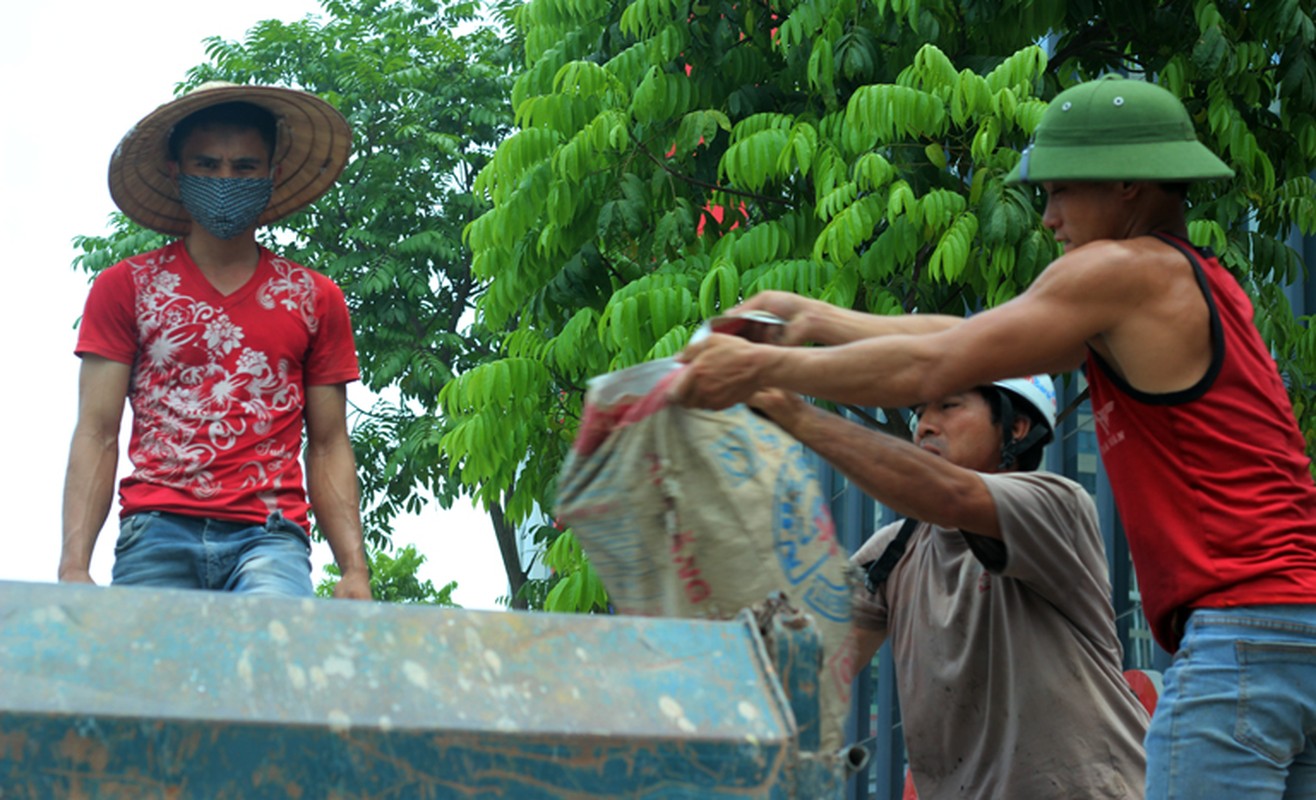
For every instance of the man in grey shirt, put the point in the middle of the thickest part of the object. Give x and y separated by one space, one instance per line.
1008 665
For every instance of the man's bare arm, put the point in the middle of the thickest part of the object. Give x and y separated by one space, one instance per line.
866 644
910 481
810 320
332 486
898 474
1079 298
93 460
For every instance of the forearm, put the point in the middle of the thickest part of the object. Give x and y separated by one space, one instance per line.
867 643
88 495
336 500
887 372
896 473
812 320
831 325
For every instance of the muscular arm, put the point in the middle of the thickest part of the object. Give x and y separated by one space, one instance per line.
93 459
331 483
899 475
810 320
1082 297
843 326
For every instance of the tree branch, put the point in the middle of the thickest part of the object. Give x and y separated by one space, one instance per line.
505 533
712 186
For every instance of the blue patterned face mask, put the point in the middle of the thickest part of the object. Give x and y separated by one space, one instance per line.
225 206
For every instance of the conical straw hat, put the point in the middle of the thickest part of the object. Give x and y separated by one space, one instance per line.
313 145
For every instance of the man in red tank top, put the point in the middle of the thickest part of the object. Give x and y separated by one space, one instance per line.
1196 430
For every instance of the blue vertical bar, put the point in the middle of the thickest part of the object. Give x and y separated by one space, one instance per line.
855 515
1062 453
1120 568
1301 293
859 517
889 761
888 770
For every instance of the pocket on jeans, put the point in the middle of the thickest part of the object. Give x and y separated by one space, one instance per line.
1276 682
279 525
131 529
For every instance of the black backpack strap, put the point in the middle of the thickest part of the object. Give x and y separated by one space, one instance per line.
876 571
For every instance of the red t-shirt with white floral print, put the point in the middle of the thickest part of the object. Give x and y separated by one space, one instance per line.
218 381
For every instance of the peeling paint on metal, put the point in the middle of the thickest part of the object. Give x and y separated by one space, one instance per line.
416 674
245 672
269 699
747 710
278 632
297 677
673 711
339 667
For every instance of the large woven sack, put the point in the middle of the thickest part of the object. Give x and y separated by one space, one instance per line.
691 513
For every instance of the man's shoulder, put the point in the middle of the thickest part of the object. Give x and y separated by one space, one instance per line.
1122 261
160 256
285 263
1047 523
149 259
285 268
1036 486
877 543
122 278
1038 477
140 265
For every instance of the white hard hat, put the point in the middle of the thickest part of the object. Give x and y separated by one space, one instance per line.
1039 392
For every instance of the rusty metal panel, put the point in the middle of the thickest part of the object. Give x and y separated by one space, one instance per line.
796 651
136 693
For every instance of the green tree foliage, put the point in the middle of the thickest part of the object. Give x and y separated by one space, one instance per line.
577 586
675 157
393 579
427 103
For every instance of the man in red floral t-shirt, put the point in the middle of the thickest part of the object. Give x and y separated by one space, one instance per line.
225 350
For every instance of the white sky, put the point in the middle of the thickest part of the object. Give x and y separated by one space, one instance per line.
79 74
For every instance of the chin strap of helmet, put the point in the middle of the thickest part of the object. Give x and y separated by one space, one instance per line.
1012 448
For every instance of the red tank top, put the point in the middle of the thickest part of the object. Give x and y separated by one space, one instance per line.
1212 483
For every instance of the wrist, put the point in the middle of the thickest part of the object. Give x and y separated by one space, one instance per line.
821 323
74 563
359 569
800 419
771 367
800 329
66 574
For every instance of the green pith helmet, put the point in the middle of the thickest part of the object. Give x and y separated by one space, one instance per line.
1113 129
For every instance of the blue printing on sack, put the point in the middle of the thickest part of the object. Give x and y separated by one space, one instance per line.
800 517
738 456
619 550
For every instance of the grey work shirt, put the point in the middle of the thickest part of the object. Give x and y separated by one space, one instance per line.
1008 666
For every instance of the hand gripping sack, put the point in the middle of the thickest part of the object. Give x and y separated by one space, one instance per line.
692 513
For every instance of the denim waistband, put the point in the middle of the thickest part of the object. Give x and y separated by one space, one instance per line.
1299 618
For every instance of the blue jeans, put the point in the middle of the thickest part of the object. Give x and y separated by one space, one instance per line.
1237 718
156 548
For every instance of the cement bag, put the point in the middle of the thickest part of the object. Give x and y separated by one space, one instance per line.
690 513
